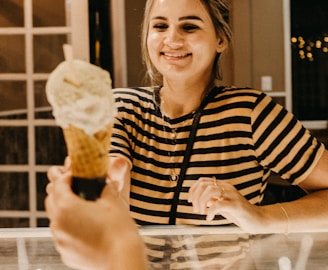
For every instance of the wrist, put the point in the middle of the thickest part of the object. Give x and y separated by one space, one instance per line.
274 219
128 253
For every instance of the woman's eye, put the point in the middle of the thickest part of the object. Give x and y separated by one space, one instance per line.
160 26
190 27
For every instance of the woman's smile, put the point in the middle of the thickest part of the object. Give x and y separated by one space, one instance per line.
182 42
175 55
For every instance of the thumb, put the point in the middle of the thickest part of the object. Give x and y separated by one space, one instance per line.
63 185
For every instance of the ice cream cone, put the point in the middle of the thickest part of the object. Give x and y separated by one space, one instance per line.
88 154
84 107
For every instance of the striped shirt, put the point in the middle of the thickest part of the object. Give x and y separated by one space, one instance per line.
242 136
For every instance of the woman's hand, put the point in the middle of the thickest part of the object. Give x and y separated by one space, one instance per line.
211 197
92 234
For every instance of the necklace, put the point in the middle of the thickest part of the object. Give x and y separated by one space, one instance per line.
174 176
173 173
172 163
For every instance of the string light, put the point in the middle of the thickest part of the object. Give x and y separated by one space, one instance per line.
308 49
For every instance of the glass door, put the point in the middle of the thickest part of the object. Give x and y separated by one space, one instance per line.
309 39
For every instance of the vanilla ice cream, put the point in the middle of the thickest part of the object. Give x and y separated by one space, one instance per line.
89 107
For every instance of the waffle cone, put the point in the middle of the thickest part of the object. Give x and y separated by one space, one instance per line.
88 154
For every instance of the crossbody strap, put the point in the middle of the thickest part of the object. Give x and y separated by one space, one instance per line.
187 155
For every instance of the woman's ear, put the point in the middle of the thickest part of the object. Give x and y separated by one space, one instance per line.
221 46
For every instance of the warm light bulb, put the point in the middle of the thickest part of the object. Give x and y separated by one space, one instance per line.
293 39
318 44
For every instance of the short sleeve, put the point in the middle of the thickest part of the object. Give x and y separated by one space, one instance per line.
120 141
281 142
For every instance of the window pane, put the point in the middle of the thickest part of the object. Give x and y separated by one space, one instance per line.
11 13
48 52
49 13
42 106
13 145
43 222
310 59
14 191
14 223
42 182
50 147
13 100
12 56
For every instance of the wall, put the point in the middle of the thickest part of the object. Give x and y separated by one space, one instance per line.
134 14
258 43
257 46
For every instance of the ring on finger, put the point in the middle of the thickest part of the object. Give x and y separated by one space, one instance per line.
221 189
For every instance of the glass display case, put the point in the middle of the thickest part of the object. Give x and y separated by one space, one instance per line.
186 247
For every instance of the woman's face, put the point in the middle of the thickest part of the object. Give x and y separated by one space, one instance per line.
182 41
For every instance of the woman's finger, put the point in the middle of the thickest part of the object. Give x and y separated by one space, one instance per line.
199 192
49 188
210 192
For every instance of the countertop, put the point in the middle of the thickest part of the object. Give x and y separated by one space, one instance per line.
183 247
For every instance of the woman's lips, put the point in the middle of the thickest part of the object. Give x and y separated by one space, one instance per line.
175 55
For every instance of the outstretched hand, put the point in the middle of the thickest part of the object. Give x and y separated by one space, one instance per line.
92 234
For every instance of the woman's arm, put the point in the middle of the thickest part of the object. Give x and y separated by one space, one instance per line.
308 213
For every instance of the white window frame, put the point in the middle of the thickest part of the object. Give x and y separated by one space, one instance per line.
78 27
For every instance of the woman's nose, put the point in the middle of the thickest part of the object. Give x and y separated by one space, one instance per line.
173 39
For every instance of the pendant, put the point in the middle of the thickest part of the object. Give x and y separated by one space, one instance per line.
174 177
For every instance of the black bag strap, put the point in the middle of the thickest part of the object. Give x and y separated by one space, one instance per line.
187 155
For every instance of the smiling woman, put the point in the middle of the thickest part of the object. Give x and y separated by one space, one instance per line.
191 151
176 40
167 28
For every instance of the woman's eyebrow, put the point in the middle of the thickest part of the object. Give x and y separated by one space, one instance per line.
158 18
191 17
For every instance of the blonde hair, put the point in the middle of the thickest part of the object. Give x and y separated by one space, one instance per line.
219 11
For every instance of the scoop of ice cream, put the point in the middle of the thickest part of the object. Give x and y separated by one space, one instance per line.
89 105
